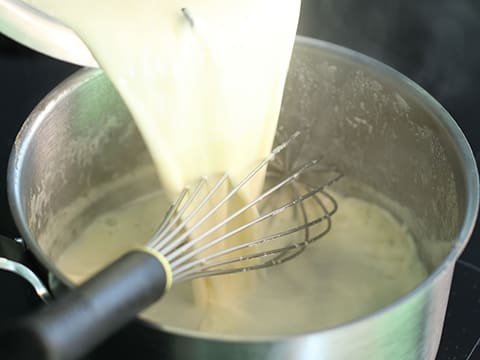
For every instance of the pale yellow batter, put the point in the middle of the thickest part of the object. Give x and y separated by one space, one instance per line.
205 90
367 261
204 82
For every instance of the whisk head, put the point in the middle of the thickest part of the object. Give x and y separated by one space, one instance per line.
195 236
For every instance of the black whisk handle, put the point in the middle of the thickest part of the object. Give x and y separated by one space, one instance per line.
72 326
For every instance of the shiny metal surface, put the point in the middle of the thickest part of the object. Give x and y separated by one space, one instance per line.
374 125
27 274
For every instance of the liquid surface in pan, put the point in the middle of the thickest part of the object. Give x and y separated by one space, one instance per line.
366 261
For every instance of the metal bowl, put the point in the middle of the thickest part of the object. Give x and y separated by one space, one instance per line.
376 126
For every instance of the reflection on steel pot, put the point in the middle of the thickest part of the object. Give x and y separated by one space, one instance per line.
375 126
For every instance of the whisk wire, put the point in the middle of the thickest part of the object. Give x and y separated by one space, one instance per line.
191 258
280 257
251 204
179 267
158 238
183 224
234 190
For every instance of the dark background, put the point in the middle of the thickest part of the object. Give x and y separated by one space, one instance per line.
434 42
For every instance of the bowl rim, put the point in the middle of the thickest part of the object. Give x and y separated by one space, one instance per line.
464 152
41 32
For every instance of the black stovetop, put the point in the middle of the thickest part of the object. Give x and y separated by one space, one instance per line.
434 42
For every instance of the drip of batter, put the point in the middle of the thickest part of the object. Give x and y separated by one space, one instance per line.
203 84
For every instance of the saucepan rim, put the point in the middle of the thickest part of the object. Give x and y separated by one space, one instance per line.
461 145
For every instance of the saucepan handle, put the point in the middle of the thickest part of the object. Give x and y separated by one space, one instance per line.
74 324
14 258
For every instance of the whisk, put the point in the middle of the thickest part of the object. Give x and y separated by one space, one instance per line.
180 250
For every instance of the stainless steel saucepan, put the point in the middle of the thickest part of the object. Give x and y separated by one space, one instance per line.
373 124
